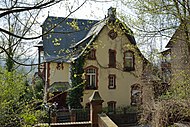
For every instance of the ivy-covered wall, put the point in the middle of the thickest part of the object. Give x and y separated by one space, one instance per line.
76 92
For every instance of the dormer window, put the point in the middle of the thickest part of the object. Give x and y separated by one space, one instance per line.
129 61
92 54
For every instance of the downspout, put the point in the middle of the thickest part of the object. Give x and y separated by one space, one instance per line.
46 83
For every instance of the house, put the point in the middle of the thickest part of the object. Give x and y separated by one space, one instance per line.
113 63
176 58
166 65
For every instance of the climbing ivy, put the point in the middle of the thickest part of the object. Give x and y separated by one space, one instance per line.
77 83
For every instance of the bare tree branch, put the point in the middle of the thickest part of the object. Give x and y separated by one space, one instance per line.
29 38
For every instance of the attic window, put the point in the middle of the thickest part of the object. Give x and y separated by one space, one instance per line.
112 34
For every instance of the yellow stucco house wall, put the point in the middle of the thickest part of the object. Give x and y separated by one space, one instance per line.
116 69
59 75
121 94
124 80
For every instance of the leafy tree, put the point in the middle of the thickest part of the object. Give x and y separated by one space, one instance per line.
75 94
18 27
16 109
37 88
155 21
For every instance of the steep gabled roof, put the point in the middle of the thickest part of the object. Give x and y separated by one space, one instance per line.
66 33
94 32
71 37
182 28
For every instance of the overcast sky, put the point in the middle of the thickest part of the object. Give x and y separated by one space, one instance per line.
90 10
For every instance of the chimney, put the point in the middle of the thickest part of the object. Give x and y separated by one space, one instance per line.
112 14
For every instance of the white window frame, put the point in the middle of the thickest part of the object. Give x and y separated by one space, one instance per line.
91 75
112 81
129 58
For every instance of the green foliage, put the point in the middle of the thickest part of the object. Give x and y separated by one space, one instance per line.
16 108
9 63
37 88
156 21
75 94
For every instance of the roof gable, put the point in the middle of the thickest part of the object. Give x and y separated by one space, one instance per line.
95 31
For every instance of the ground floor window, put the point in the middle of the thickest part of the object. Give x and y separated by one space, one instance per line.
91 77
111 106
136 95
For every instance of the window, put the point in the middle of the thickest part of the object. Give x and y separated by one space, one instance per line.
92 54
129 61
60 66
112 34
136 95
41 56
87 106
112 81
111 107
91 77
112 58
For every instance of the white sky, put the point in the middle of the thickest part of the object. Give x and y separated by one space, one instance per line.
90 10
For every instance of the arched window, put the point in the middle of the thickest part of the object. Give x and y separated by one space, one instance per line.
91 77
136 95
129 61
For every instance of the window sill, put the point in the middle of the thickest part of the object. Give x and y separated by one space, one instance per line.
112 88
111 66
91 88
128 69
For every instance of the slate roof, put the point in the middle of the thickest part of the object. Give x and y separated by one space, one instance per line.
71 37
68 31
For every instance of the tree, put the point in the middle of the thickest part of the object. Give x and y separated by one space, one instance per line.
18 18
17 49
17 102
21 16
158 19
17 108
